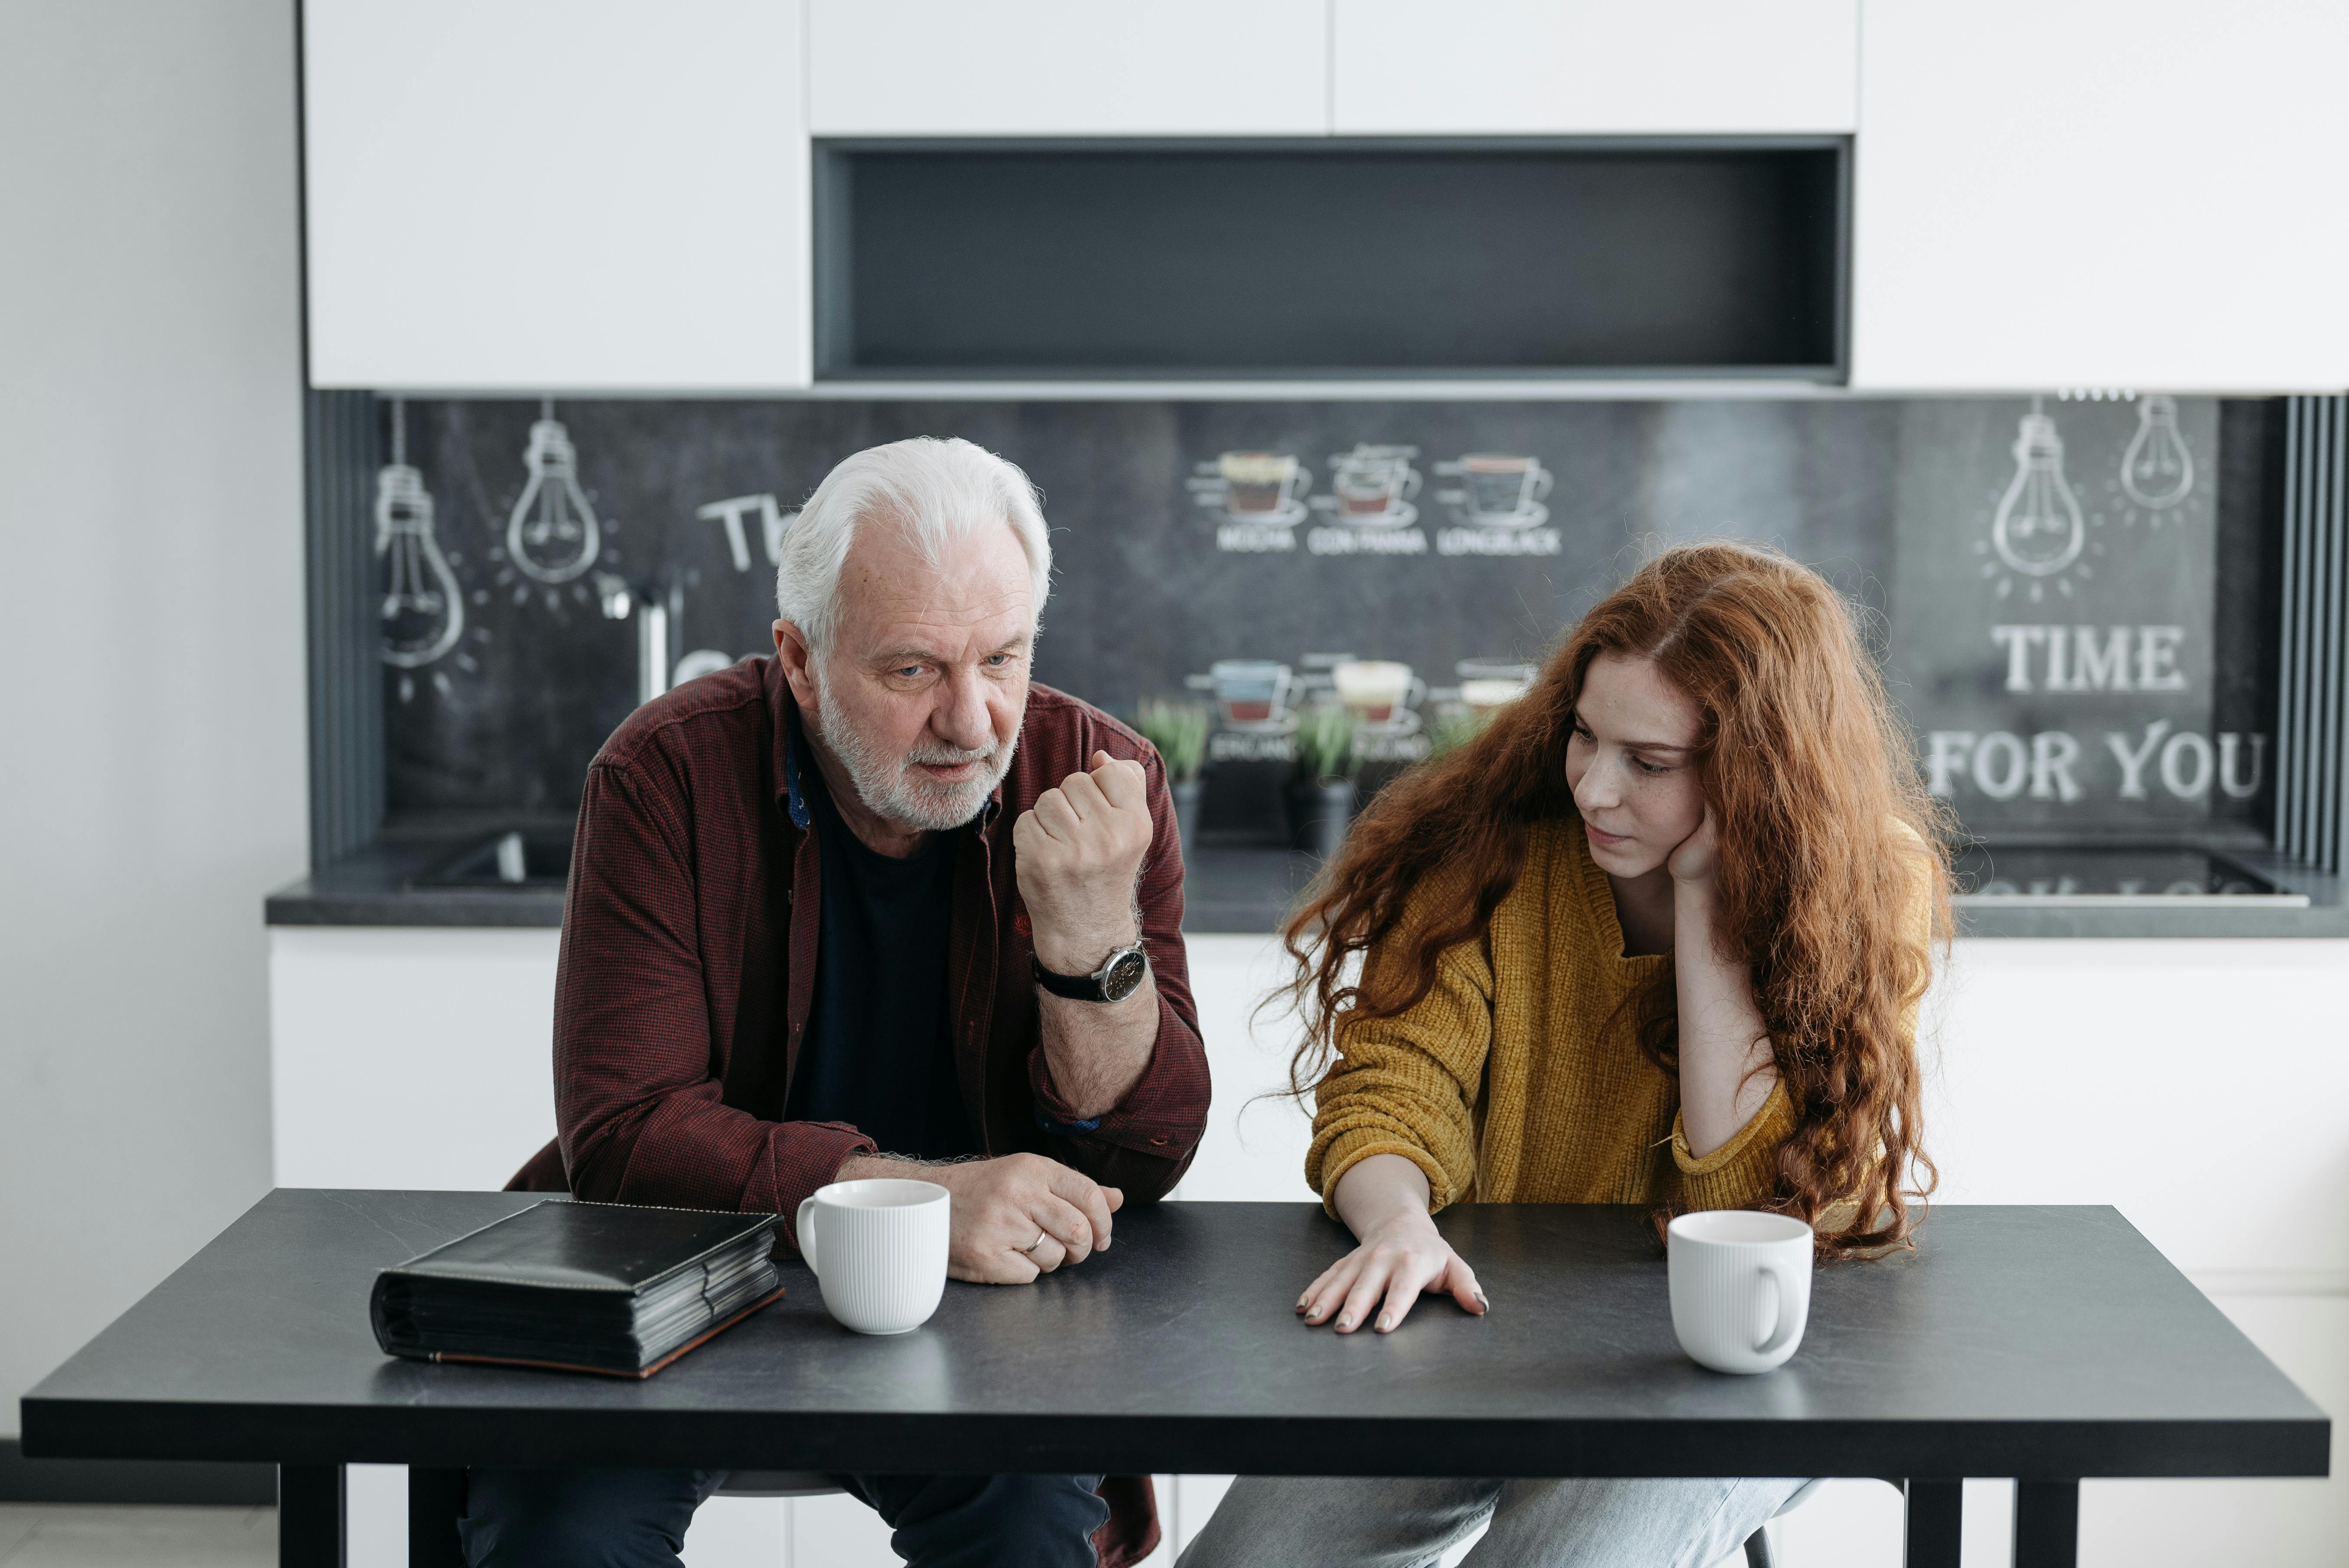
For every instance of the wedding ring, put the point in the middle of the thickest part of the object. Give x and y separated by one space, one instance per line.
1037 1243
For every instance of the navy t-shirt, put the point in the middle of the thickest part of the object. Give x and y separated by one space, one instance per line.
877 1053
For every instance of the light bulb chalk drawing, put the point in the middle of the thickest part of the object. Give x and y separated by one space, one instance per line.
2158 468
423 608
552 534
2038 532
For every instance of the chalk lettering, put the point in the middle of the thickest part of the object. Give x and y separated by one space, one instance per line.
2000 782
2053 753
2230 746
2019 642
1946 756
2156 659
2100 669
2133 762
2186 749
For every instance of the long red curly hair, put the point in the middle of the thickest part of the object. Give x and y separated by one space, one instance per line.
1815 792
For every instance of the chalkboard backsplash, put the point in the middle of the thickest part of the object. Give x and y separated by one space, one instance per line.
2059 585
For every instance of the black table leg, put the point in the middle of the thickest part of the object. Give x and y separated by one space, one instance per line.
2046 1523
1936 1522
309 1516
436 1501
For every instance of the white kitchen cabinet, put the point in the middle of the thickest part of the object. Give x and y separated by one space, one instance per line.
2105 194
557 196
1068 67
1592 68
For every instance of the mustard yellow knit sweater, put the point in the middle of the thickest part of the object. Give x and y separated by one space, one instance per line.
1506 1084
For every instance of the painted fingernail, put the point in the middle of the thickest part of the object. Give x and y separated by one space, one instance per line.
1385 1324
1483 1303
1345 1323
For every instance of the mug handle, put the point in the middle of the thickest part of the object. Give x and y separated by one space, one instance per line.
1542 478
1410 482
1781 1275
1304 478
804 1228
1415 693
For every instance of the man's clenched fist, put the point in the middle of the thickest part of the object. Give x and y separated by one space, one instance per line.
1077 854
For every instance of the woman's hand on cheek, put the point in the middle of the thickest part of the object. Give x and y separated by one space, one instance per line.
1692 862
1385 1275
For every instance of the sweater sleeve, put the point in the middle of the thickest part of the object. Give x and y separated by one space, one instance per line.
1743 1171
1406 1085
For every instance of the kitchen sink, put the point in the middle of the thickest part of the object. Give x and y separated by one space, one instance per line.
513 859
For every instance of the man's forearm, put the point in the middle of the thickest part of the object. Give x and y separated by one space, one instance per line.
1097 1051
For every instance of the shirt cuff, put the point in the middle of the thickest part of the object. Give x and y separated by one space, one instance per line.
1160 1115
809 1155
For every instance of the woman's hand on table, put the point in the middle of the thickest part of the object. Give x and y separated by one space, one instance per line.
1383 1201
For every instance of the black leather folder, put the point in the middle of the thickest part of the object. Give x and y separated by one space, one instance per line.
616 1288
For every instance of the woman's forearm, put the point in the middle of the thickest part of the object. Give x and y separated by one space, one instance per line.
1727 1068
1379 1190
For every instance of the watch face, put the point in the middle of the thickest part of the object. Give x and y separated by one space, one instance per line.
1125 972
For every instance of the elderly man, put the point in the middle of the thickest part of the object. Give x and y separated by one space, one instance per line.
875 906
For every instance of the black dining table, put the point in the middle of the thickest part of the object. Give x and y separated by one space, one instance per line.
2045 1344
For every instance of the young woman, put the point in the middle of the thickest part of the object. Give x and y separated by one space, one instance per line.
1657 936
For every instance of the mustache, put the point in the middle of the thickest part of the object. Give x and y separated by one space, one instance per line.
951 756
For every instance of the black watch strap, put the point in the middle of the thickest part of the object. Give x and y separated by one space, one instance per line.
1112 982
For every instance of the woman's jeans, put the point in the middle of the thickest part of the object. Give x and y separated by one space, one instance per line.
1312 1523
637 1518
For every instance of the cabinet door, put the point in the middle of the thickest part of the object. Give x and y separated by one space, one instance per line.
2109 193
556 195
1594 68
1068 67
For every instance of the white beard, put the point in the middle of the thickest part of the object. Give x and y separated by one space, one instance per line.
889 786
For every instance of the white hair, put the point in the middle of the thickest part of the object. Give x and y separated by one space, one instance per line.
935 490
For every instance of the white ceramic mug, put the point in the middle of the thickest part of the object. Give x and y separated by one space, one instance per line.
878 1248
1741 1287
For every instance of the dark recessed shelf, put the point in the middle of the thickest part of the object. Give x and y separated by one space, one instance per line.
1331 259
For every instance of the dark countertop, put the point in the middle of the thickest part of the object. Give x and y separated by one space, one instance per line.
2039 1342
1230 886
1234 885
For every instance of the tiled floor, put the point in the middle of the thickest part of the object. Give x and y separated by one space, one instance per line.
58 1535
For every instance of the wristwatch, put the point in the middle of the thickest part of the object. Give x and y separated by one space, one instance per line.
1115 981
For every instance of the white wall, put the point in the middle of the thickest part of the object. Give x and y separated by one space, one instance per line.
151 771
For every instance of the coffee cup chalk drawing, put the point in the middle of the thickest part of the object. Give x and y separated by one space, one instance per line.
1498 507
1369 510
1257 498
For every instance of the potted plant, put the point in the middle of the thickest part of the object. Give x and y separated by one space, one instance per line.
1321 793
1452 728
1179 730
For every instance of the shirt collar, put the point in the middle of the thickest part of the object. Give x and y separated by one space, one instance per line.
794 797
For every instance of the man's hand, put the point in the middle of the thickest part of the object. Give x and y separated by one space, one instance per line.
1012 1218
1076 855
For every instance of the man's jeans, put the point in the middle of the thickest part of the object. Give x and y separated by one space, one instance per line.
1281 1523
637 1518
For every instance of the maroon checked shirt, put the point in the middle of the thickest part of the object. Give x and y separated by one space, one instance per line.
688 964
